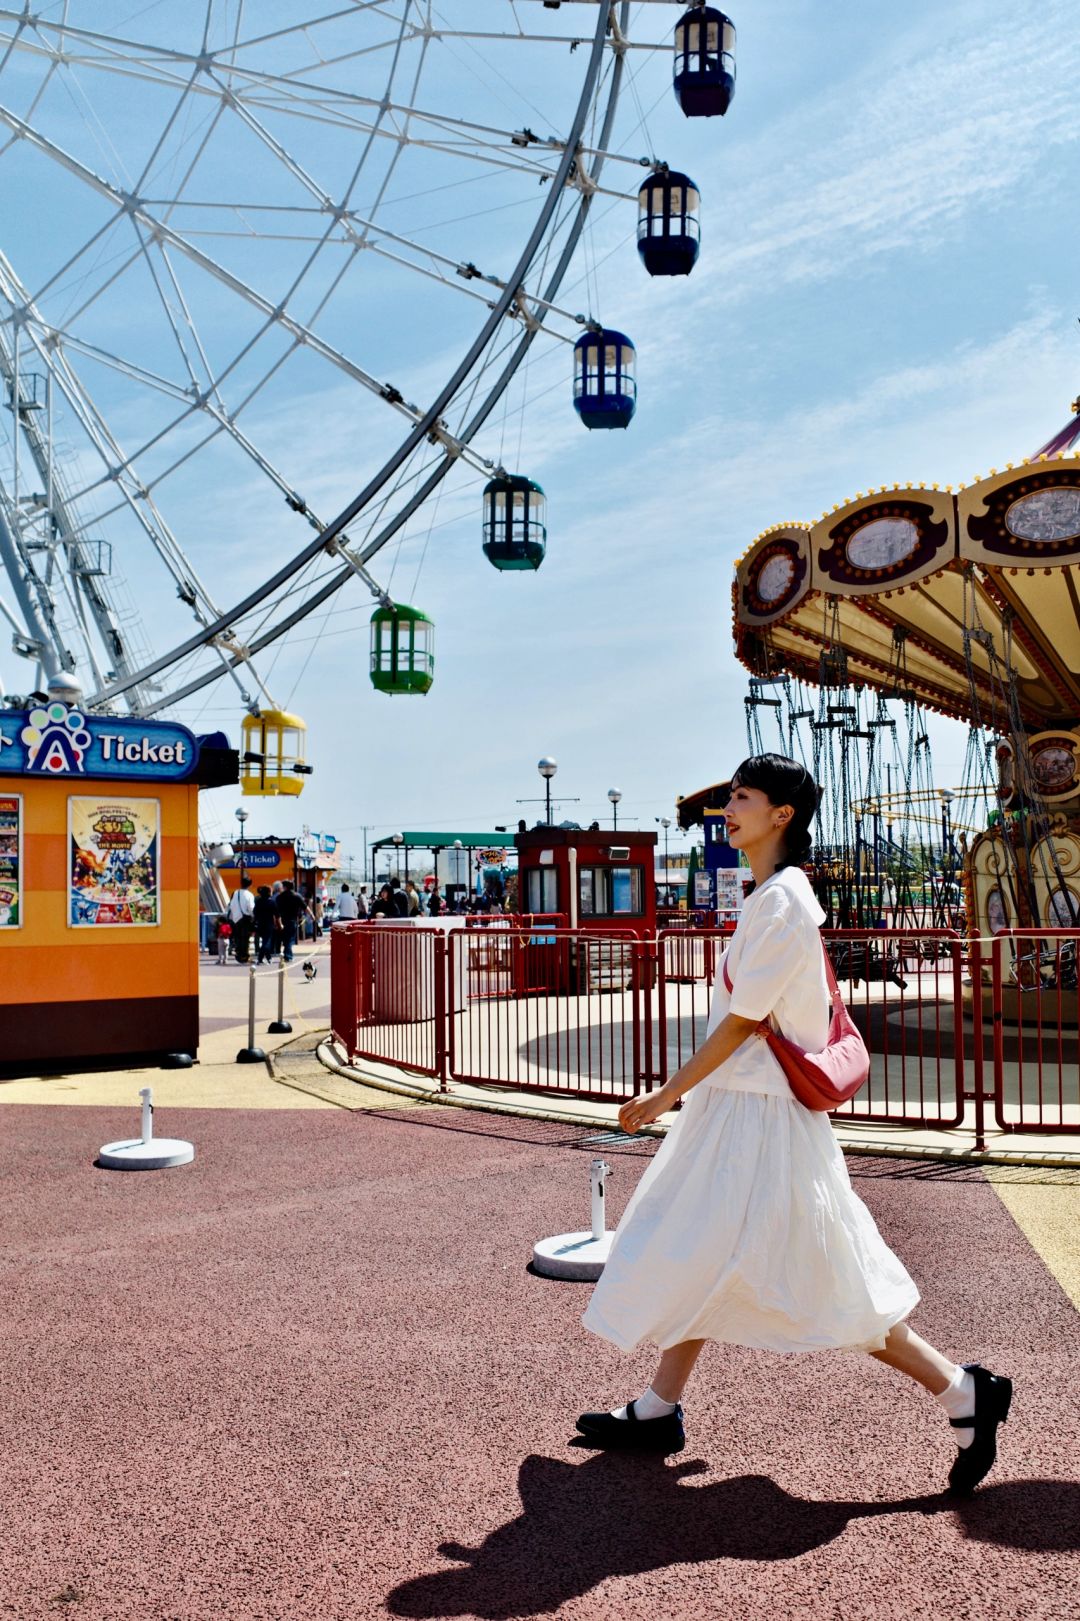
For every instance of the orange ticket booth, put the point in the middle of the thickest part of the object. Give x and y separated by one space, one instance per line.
99 909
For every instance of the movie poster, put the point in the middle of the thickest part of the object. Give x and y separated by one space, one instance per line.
10 861
114 845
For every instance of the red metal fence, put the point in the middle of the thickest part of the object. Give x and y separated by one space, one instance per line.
955 1029
388 994
1035 1035
557 1011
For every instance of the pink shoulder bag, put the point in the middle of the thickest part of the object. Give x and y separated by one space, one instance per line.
822 1080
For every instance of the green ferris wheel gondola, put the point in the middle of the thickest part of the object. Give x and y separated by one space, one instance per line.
515 534
402 650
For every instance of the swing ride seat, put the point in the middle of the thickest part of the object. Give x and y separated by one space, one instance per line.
862 959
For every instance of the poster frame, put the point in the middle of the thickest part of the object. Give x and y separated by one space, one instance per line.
118 799
20 866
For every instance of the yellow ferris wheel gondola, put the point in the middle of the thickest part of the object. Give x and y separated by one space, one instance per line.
272 757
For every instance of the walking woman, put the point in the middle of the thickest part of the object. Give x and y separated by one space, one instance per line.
745 1228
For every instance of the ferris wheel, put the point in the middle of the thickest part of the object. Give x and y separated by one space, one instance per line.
256 259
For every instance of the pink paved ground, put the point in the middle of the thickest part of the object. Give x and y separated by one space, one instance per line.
309 1378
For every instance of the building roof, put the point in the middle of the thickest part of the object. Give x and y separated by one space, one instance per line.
690 808
444 841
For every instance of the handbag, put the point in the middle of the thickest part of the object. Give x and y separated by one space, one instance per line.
824 1080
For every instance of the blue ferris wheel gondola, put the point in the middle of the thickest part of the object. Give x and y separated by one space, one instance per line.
669 234
605 393
704 62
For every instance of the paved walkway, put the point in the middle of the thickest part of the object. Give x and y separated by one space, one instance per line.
309 1377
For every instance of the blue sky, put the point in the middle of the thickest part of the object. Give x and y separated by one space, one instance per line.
886 292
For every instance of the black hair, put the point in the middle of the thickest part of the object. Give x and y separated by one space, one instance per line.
785 782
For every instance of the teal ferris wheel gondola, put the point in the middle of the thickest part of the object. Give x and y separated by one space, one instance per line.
605 392
704 62
515 534
402 650
669 233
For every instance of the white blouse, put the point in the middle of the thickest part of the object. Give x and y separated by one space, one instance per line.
777 968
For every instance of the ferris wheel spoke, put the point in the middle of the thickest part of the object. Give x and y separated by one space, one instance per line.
135 497
485 143
275 314
430 449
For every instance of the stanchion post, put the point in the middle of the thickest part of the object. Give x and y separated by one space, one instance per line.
280 1026
251 1054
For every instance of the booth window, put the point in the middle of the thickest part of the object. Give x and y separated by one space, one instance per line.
611 891
541 890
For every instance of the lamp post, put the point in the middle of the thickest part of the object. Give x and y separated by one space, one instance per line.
665 823
399 840
547 768
615 794
241 816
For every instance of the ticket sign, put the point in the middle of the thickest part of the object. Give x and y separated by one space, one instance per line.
59 740
10 861
114 851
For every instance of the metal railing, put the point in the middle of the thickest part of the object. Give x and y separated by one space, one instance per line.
562 1019
1035 1033
955 1029
388 994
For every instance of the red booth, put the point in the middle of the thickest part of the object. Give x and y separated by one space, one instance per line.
597 879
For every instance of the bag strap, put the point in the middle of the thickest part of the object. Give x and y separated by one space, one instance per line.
830 976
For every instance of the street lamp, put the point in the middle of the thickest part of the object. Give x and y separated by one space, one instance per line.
615 794
547 768
665 823
398 841
241 816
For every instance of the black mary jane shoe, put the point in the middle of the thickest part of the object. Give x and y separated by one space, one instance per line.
993 1394
633 1434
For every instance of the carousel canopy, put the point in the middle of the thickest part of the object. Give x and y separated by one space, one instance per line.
931 593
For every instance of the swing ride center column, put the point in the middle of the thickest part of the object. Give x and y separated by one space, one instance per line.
99 884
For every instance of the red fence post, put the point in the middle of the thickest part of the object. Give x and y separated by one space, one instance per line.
441 970
977 1042
344 1014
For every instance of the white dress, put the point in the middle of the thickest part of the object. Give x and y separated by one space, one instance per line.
744 1227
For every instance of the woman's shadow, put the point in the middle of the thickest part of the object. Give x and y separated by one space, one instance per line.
620 1516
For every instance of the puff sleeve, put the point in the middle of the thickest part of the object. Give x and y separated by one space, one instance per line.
773 955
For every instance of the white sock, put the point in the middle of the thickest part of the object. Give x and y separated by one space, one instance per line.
958 1400
648 1406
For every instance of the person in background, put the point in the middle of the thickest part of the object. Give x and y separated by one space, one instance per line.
435 902
384 905
399 898
224 935
317 916
241 910
362 904
291 907
347 908
266 924
413 898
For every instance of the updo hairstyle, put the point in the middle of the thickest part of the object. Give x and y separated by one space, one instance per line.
785 782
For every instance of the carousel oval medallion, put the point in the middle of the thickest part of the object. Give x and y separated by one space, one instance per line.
1064 909
775 579
882 543
1046 515
996 915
